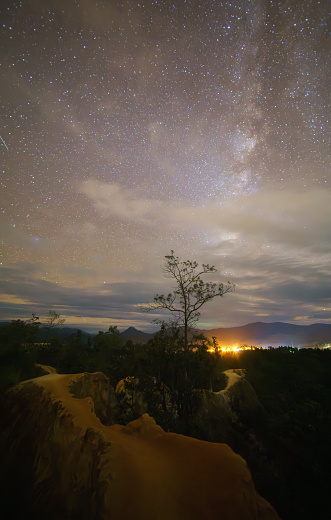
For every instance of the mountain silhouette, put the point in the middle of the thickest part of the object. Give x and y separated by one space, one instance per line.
273 334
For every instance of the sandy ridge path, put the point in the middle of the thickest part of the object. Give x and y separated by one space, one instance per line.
136 456
58 387
154 475
233 376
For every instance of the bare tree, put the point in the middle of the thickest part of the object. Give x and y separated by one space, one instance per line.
191 292
52 321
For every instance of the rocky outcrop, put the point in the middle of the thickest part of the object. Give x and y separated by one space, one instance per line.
239 393
128 389
62 462
220 410
96 389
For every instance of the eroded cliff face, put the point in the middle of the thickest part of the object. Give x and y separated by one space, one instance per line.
221 409
97 389
61 462
239 393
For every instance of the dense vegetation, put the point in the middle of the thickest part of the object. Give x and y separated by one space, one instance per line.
285 442
290 457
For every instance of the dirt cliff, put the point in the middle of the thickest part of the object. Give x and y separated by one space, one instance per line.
60 461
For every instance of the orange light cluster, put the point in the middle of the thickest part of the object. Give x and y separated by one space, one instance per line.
230 348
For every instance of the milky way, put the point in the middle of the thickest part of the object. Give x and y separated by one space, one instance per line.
129 129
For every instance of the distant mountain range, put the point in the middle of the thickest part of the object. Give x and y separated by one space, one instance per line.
258 334
273 334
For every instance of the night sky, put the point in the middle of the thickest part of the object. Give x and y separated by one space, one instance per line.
132 128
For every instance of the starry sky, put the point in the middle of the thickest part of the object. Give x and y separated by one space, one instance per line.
132 128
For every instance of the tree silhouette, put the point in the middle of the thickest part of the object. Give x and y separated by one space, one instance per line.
52 321
191 293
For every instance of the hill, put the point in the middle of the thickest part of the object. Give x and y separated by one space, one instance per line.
259 334
137 336
273 334
60 333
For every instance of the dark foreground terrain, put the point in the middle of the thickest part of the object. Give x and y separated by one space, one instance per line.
272 407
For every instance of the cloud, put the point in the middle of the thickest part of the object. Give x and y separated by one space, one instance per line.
274 233
24 292
272 287
285 218
113 200
270 244
288 218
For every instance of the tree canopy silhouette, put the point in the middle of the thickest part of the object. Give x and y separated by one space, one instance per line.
191 292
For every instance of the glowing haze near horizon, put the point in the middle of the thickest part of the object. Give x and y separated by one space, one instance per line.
129 129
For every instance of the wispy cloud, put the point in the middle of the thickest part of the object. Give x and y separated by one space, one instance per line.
116 201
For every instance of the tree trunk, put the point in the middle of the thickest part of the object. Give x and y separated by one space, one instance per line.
185 336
